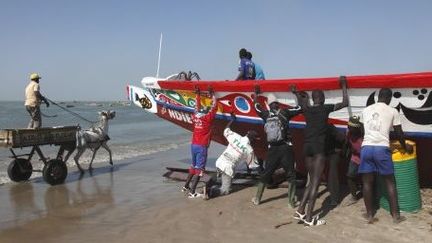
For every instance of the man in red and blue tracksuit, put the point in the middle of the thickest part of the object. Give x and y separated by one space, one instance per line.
202 121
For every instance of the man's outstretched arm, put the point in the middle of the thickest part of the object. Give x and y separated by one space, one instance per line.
302 97
233 118
344 103
197 99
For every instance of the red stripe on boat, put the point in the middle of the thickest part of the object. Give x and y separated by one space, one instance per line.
410 80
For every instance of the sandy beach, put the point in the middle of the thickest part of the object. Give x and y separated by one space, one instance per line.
132 202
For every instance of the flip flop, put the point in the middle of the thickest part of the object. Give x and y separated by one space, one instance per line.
299 216
315 222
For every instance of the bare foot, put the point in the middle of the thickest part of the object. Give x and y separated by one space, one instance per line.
399 219
370 219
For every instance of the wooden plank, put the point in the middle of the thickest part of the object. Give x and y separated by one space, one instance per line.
182 176
31 137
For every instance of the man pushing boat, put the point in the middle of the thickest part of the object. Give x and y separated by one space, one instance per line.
202 126
239 149
314 147
378 119
280 148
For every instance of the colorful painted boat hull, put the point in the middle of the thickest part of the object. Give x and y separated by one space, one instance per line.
174 101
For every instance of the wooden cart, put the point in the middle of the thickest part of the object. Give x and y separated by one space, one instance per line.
54 170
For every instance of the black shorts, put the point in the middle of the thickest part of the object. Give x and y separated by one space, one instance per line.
312 149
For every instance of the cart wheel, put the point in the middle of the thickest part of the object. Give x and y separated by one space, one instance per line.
20 170
54 172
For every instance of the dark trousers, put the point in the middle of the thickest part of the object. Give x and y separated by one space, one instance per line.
279 155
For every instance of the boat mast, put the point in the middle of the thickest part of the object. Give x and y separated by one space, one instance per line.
160 47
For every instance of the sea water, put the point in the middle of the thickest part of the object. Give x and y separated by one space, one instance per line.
133 131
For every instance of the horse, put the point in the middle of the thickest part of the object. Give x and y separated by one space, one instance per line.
94 138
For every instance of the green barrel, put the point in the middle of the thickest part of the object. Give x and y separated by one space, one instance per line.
407 182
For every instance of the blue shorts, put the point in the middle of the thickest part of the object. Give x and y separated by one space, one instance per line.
199 156
376 159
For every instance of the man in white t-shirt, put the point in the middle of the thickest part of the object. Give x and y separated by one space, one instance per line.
33 99
375 154
239 149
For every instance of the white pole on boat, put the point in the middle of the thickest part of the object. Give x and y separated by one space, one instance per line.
159 57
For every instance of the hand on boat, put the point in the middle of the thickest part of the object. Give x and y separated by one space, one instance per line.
210 90
233 116
257 89
343 81
303 94
197 90
293 88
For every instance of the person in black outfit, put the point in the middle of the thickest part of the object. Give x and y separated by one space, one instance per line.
280 153
334 144
314 147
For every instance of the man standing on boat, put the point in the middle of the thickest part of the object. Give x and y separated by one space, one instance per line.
33 99
259 73
246 68
202 122
375 153
280 148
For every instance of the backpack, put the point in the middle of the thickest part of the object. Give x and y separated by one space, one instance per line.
274 128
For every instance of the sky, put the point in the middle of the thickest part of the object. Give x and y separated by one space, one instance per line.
90 50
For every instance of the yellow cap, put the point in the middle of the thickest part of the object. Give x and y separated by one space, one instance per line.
34 76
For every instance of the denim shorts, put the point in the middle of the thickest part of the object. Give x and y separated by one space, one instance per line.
376 159
199 156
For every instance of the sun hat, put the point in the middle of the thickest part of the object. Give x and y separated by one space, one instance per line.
34 76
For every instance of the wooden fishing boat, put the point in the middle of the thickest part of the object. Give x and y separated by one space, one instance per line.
174 101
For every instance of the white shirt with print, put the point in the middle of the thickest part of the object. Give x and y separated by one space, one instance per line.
239 149
378 119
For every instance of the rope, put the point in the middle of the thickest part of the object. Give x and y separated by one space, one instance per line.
71 112
48 116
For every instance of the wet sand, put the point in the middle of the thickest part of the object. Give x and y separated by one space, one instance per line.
133 203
